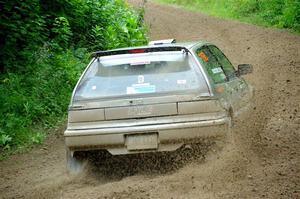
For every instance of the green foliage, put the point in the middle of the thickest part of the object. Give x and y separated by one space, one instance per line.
277 13
45 46
94 24
61 28
21 31
37 138
119 30
40 96
4 139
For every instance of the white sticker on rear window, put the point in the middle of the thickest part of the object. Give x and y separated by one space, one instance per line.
217 70
141 88
141 79
181 81
139 62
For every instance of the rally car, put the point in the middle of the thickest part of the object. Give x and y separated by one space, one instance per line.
153 98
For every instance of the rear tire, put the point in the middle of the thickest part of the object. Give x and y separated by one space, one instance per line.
75 163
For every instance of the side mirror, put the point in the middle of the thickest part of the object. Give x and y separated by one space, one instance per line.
244 69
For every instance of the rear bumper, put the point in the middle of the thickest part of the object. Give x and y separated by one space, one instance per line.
170 135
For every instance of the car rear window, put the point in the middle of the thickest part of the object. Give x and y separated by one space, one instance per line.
140 74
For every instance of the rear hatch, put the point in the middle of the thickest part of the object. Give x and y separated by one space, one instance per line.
141 85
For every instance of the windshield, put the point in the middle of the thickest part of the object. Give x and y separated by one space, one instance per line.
139 74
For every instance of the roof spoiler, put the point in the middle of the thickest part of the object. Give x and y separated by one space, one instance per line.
160 42
139 50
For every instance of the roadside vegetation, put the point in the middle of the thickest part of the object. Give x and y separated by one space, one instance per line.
45 45
274 13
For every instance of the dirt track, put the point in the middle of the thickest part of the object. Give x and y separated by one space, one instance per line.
262 161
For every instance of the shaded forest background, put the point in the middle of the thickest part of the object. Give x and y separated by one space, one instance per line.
45 45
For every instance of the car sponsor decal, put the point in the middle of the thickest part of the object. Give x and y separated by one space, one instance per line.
141 88
203 56
217 70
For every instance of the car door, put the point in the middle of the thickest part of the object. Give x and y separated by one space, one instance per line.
226 84
239 90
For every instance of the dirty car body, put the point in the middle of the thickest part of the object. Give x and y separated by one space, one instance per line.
154 98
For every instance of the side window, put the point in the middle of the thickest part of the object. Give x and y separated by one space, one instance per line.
212 65
222 59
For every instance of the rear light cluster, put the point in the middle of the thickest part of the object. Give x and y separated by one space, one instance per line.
194 107
86 115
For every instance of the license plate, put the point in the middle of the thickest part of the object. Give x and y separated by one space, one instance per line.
142 141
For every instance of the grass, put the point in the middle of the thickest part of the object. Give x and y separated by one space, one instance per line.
28 146
271 13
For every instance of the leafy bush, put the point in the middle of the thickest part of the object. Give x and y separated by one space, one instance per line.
38 96
94 24
119 30
22 32
61 28
45 46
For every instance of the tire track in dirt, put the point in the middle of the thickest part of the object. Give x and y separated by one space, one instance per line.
261 162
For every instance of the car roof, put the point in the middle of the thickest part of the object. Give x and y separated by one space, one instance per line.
183 45
187 45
